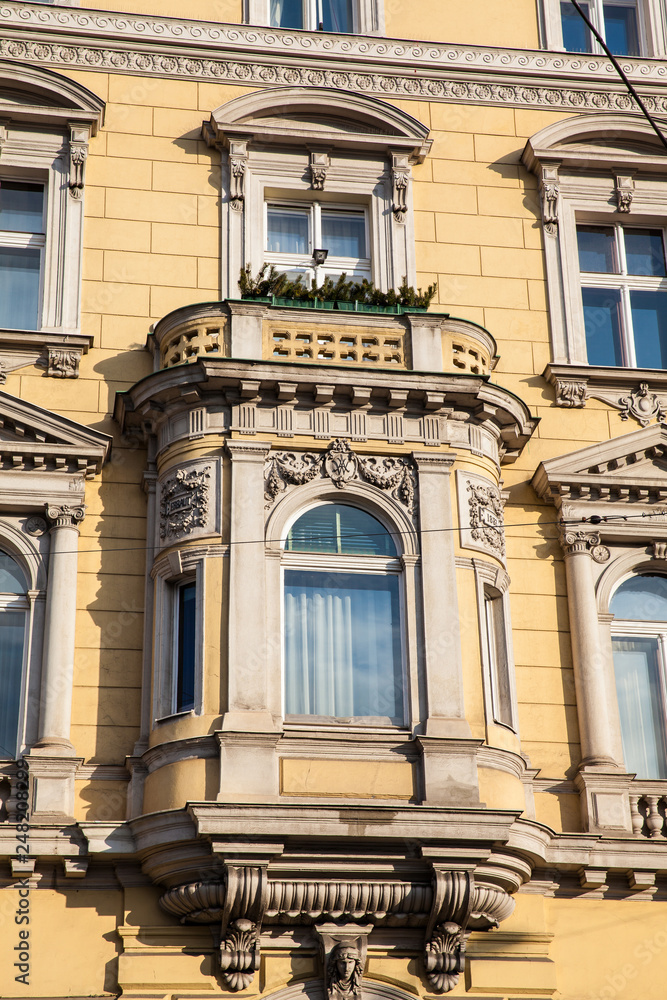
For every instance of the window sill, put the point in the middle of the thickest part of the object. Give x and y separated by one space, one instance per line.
58 353
640 393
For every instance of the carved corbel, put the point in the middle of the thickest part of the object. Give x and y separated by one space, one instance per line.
3 134
245 902
659 550
549 193
63 363
571 392
78 154
643 405
319 164
238 160
343 948
400 175
624 190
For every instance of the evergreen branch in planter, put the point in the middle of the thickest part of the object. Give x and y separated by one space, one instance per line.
269 281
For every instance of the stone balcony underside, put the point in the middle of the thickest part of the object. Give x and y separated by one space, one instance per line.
249 329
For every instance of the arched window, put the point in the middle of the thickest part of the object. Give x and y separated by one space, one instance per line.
640 664
13 609
342 617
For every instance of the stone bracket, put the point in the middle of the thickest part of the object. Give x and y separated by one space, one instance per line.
400 177
549 193
78 154
245 902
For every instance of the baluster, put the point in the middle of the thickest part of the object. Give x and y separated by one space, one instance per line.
636 816
654 819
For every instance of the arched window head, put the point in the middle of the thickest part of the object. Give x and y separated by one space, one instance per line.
343 647
13 609
640 664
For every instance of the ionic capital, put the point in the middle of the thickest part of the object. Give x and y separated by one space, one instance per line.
64 515
574 540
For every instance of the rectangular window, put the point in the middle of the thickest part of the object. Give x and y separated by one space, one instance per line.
22 241
639 670
313 15
617 22
497 649
624 295
184 648
294 232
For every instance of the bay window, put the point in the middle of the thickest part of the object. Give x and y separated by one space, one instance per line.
22 241
342 618
183 693
639 642
624 295
295 232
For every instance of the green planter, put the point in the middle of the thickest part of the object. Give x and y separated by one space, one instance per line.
278 300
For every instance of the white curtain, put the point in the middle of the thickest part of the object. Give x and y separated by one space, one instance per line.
636 666
342 645
12 631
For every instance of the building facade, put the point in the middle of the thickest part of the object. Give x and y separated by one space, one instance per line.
333 627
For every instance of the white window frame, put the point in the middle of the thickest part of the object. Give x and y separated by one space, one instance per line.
492 584
323 561
312 16
355 268
651 18
9 239
165 644
368 16
623 282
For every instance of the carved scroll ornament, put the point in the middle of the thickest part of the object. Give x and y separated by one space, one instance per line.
342 466
643 405
184 502
485 506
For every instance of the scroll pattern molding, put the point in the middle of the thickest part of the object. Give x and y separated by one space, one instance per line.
450 907
341 465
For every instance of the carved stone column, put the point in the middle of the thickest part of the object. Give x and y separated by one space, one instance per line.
249 769
51 761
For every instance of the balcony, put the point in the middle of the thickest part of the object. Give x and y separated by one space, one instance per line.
254 330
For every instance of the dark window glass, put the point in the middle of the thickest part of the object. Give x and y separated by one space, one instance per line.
185 678
341 529
645 252
337 15
597 249
649 321
576 35
621 29
641 598
342 645
286 14
21 207
500 668
602 322
12 632
19 288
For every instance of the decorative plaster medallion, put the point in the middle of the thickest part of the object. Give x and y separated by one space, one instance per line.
341 465
481 514
184 502
36 526
642 405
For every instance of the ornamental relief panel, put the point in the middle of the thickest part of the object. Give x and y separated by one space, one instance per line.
189 506
285 470
481 521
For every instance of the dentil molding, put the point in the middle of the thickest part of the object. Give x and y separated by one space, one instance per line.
180 48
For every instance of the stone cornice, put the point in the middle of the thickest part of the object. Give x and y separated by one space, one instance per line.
256 56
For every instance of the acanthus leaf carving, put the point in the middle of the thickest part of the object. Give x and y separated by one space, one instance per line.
444 956
571 393
184 502
239 954
246 896
342 466
63 363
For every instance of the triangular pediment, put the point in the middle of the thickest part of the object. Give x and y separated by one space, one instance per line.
38 440
632 467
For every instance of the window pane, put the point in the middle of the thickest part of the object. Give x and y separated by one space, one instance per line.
644 252
649 320
21 207
641 598
576 36
344 234
185 680
621 29
12 630
602 322
286 14
12 580
19 288
342 645
636 666
337 15
287 231
597 249
500 669
342 529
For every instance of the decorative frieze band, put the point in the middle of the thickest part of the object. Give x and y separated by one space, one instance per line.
150 46
341 465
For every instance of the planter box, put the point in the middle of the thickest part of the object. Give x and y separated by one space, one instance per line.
363 307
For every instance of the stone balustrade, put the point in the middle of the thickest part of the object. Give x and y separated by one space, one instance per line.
648 809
